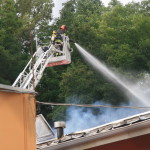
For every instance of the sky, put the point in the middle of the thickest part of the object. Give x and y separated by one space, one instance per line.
58 5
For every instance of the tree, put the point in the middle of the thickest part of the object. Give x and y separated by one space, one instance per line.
117 35
123 34
33 13
113 3
10 44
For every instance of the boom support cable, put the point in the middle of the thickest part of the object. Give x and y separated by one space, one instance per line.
90 105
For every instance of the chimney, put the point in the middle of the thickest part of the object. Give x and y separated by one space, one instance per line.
59 125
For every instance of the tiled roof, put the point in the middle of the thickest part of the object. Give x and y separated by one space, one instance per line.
119 124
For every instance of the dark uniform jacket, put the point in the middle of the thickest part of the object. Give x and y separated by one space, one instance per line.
59 34
59 31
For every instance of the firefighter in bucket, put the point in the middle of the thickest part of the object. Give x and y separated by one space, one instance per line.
57 38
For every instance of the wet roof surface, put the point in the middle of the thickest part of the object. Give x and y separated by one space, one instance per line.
136 119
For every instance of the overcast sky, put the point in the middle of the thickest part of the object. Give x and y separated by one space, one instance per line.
58 5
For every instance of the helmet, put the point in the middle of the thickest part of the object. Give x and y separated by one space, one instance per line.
63 27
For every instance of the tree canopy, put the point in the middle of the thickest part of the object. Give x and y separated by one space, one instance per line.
117 34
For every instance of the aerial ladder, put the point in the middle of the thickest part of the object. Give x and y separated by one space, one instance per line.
33 72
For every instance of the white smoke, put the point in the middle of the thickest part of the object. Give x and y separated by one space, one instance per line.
81 119
138 94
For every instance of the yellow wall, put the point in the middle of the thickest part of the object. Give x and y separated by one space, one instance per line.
17 121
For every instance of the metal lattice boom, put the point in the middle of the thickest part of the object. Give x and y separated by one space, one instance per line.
32 73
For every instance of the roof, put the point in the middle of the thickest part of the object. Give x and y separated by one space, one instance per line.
129 127
8 88
43 130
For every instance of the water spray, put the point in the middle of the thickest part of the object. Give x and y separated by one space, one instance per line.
106 72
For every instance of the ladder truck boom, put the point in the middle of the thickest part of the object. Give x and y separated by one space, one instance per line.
33 72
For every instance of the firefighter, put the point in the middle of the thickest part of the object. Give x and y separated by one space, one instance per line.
53 37
62 29
59 36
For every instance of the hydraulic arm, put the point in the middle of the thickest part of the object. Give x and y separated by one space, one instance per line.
33 72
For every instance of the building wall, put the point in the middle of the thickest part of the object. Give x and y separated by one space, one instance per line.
137 143
17 121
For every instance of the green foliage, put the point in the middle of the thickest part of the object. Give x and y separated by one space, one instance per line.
80 84
9 25
10 45
117 35
76 81
113 3
34 12
49 90
17 19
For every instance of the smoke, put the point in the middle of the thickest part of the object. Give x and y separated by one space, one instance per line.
138 95
85 118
